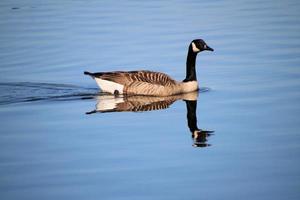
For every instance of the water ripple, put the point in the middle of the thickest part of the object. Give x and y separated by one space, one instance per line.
29 92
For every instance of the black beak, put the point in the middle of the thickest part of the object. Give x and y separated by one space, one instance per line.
208 48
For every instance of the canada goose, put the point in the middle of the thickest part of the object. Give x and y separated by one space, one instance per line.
109 103
152 83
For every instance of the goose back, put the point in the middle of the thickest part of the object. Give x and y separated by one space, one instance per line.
140 82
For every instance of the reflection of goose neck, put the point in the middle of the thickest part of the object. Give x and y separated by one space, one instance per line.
191 115
199 136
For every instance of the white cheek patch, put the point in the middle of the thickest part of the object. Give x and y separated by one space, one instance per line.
195 49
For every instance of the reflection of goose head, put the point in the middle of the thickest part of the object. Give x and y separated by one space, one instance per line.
199 136
111 103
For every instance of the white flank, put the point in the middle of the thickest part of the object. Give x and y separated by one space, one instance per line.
195 49
109 86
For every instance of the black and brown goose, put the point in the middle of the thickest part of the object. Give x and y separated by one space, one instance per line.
152 83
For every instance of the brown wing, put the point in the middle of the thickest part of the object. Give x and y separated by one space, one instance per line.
127 78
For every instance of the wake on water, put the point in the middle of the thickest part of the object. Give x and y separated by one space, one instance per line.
31 92
22 92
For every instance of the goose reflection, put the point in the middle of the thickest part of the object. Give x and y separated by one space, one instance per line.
111 103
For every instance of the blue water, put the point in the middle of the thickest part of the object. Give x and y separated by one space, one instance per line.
51 149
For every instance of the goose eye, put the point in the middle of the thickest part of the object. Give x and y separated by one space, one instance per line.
205 46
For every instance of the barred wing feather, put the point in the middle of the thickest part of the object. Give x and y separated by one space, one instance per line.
131 77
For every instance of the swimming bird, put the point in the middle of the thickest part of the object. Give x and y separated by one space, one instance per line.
151 83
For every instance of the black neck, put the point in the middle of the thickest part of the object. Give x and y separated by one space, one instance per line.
191 66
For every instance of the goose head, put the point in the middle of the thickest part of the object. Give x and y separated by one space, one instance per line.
199 45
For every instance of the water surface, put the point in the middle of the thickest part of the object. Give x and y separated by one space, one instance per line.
51 149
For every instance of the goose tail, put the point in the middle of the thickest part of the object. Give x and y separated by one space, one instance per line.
89 73
91 112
